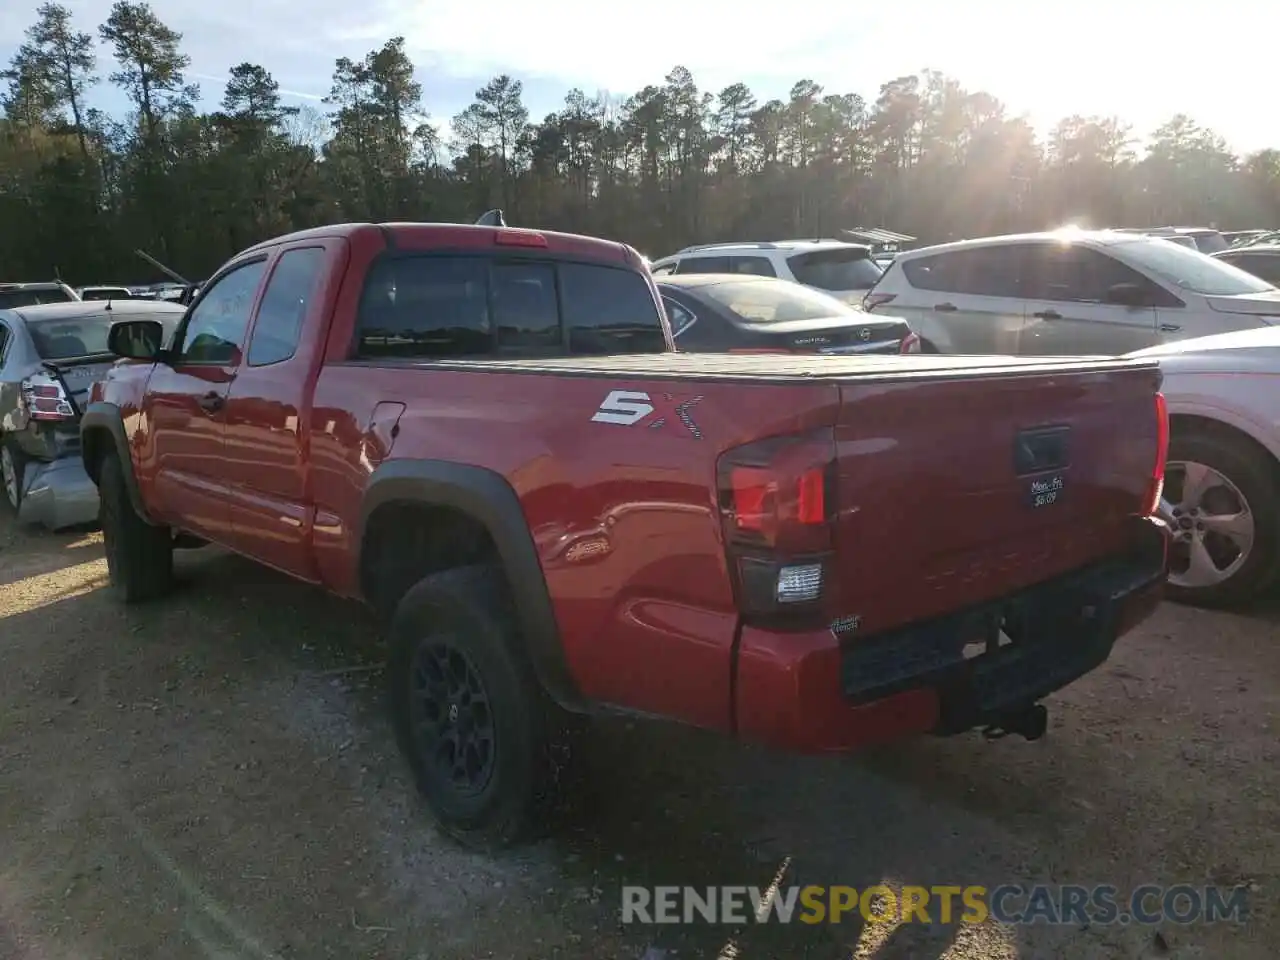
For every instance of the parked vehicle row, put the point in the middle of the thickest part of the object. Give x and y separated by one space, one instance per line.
1068 293
50 354
486 435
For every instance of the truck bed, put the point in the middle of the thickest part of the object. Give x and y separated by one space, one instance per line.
780 367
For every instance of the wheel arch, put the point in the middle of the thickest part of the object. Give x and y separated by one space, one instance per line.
485 498
101 432
1226 427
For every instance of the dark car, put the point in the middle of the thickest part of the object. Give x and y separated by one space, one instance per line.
736 313
1262 261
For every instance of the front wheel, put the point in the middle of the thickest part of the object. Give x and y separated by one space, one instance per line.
468 712
1224 504
139 555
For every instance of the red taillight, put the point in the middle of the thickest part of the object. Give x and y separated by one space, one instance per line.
1155 488
910 343
43 399
774 493
778 515
873 300
519 238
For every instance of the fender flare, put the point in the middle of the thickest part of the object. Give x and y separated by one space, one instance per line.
490 500
101 429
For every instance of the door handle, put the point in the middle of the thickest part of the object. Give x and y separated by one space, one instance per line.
945 307
1047 315
211 402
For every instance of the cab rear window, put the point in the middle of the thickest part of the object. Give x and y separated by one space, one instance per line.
457 306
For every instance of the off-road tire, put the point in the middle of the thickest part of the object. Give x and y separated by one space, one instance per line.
139 555
1254 474
19 460
468 610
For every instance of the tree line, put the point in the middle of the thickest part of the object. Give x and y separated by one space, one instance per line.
669 165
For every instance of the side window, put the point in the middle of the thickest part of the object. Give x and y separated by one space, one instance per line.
215 328
425 307
704 265
1261 265
608 310
5 337
927 273
679 318
757 266
986 271
1069 273
525 312
284 306
665 270
978 271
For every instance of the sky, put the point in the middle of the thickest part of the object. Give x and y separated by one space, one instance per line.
1140 59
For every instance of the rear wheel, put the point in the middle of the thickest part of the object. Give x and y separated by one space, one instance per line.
1225 505
13 463
139 555
477 730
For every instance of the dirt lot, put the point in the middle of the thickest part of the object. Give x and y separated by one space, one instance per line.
202 778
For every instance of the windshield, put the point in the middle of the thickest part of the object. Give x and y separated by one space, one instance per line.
1191 270
775 301
105 293
840 269
63 339
32 296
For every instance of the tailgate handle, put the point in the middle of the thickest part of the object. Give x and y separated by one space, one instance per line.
945 307
1035 451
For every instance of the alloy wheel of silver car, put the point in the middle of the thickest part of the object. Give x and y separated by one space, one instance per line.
10 473
1212 524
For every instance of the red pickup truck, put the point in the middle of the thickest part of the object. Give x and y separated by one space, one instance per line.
483 433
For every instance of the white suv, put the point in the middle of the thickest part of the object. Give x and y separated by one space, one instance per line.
1068 292
843 270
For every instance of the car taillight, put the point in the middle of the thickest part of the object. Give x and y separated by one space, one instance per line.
519 238
910 343
1155 487
873 300
43 398
777 510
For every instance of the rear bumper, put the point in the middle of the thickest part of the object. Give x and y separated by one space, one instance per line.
58 494
814 693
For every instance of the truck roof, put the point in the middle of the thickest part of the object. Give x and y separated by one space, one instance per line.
466 236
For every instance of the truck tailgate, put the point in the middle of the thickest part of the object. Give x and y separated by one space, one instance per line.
954 491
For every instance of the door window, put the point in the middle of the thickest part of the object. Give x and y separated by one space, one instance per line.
664 270
284 306
1071 273
704 265
216 326
978 271
757 266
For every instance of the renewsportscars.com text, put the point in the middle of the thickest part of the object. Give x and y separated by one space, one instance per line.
1008 904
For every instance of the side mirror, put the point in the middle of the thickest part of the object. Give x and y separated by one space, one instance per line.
136 339
1127 295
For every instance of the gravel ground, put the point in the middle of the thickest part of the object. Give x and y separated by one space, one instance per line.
210 777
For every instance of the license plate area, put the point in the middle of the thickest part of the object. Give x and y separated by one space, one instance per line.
1008 652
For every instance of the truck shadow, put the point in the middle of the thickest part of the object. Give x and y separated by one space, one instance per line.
656 805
